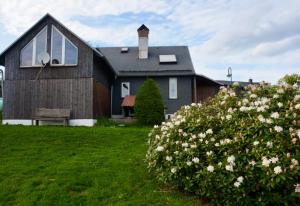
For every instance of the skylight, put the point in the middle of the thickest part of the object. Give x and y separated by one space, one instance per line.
170 58
124 49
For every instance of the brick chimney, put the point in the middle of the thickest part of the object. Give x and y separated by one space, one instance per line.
143 33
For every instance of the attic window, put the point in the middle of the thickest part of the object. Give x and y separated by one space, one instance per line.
124 50
167 59
63 51
30 52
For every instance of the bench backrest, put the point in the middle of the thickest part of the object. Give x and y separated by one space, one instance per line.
59 113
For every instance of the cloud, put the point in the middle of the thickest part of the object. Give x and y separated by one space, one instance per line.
258 39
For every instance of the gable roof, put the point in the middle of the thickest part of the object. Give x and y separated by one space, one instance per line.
2 55
128 64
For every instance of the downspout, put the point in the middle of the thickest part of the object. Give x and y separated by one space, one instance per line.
195 90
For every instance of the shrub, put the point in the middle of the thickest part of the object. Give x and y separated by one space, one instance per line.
238 149
149 107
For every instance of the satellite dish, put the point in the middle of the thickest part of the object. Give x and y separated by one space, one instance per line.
43 58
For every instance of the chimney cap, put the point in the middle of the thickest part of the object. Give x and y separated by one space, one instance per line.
143 27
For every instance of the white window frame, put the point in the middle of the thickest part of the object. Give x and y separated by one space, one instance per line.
173 97
34 49
122 94
63 43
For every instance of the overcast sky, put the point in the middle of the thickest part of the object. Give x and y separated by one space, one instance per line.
259 39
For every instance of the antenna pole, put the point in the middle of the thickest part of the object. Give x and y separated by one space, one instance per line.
38 75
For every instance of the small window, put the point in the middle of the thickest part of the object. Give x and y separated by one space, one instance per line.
165 59
30 52
125 89
63 51
173 88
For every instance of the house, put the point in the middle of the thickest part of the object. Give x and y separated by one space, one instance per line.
93 82
241 83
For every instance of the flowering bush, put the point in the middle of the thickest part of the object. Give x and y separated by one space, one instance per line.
240 148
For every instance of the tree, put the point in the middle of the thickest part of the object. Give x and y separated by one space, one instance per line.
149 107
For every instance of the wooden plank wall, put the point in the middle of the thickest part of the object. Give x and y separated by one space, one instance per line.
101 100
84 69
23 96
204 92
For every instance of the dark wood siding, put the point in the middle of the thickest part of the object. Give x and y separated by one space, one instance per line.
23 96
58 87
101 100
205 89
84 69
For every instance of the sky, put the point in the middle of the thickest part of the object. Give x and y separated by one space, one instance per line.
258 39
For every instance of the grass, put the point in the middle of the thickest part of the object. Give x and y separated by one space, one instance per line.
79 166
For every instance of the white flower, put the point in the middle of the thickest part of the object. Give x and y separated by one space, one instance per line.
185 144
276 96
209 131
229 167
210 168
237 184
193 146
253 96
280 91
217 144
255 143
231 159
275 115
196 160
228 117
261 118
202 135
274 159
279 104
189 163
269 144
297 106
235 84
160 148
297 97
298 133
252 163
220 164
169 158
265 162
297 187
269 121
294 162
278 128
173 170
209 153
240 179
277 170
176 152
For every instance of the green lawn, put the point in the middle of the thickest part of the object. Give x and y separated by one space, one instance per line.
79 166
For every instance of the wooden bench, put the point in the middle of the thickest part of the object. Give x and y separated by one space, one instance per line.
44 114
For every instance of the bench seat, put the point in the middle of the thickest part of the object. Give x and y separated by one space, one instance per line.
45 114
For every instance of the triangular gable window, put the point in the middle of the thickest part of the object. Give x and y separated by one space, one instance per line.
63 51
29 54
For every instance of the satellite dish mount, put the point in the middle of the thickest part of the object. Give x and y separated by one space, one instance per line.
43 59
